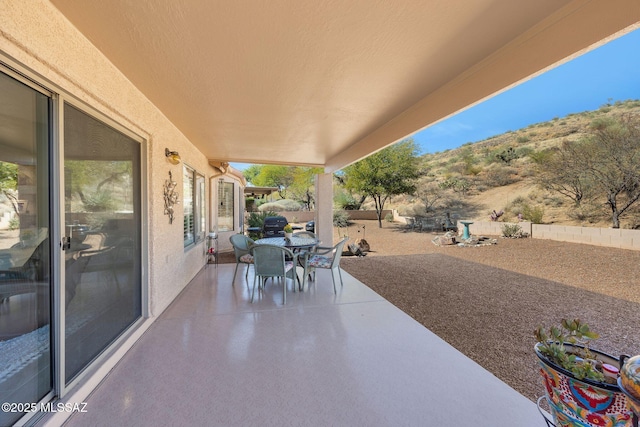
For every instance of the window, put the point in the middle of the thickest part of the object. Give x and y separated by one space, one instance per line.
194 206
202 216
225 207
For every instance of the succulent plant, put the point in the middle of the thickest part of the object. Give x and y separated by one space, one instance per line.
577 359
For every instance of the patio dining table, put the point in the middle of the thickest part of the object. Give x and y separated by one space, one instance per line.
294 243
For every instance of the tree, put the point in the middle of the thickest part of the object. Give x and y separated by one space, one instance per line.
389 172
615 165
560 170
430 193
251 173
457 185
9 183
88 179
294 181
605 163
302 187
270 176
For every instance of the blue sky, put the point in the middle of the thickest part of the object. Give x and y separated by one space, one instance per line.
607 74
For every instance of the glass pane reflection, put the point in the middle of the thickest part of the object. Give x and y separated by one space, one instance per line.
102 267
25 303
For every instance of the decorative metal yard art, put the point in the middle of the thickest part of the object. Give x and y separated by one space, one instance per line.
170 197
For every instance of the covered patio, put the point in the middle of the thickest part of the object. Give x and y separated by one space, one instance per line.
307 83
213 358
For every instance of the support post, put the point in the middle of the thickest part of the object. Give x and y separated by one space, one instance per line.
324 208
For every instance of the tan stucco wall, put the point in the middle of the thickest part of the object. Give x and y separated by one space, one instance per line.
34 36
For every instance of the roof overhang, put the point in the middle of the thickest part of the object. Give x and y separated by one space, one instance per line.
325 83
259 191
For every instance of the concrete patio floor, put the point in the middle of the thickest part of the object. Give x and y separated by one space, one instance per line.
215 359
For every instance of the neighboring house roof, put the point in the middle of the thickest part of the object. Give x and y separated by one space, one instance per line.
225 169
259 191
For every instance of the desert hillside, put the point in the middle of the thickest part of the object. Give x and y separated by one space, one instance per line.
499 174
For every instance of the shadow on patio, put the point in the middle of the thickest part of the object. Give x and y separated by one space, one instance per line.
213 358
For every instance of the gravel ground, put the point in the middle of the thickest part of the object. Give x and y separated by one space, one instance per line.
486 301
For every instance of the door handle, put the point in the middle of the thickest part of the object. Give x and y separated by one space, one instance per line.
65 243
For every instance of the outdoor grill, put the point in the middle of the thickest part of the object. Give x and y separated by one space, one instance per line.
273 226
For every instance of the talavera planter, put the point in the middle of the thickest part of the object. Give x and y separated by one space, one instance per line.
584 403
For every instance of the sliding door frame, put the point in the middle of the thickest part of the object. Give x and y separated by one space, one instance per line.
58 98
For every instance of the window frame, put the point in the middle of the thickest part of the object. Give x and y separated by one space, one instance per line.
229 210
193 187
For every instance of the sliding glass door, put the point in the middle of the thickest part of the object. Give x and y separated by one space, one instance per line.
62 303
26 368
102 221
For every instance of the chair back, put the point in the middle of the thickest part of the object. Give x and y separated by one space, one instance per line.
269 260
241 245
337 252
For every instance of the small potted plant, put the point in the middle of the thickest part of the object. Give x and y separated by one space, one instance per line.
581 383
288 231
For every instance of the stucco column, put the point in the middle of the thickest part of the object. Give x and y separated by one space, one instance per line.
324 208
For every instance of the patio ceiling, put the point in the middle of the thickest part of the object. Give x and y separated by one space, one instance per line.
327 82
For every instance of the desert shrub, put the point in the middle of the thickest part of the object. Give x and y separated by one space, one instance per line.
523 152
536 196
507 155
518 201
500 176
554 201
471 169
416 209
542 156
340 219
256 219
514 208
388 217
346 201
281 206
522 139
456 184
455 169
587 212
513 231
527 171
533 214
520 209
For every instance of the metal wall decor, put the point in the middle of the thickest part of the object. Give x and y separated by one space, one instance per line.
170 197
